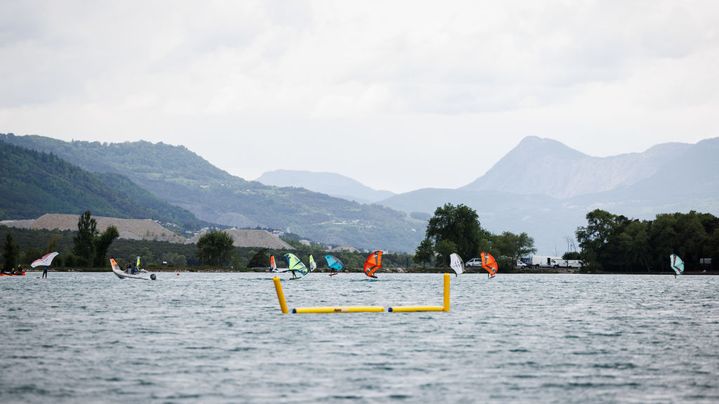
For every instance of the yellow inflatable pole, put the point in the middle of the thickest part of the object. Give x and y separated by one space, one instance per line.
340 309
280 294
413 309
446 291
362 309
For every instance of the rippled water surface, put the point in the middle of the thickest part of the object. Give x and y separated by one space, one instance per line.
221 337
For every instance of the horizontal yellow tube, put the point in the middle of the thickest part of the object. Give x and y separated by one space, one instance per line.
410 309
345 309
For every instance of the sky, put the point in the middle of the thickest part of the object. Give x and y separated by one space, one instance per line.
399 95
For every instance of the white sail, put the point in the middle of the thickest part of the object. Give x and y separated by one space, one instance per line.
45 260
456 263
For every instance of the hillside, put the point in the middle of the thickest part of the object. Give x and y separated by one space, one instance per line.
332 184
128 229
182 178
34 183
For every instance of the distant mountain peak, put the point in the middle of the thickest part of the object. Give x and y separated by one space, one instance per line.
332 184
540 166
538 145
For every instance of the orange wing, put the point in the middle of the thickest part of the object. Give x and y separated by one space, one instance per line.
489 263
373 263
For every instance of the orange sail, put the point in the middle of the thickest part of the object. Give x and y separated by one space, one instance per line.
273 265
489 263
373 263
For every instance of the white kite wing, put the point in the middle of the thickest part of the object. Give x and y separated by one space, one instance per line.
456 263
45 260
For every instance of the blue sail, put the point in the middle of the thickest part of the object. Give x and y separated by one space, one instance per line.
677 264
334 263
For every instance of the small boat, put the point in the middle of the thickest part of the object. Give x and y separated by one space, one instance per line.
489 264
373 263
456 263
334 264
124 275
7 274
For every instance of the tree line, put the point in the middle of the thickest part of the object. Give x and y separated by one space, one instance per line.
615 243
457 229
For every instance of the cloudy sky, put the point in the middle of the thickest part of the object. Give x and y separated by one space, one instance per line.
398 95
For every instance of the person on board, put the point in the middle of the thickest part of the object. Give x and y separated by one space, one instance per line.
129 269
44 272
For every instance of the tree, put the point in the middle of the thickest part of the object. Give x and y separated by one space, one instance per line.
571 255
424 253
102 244
85 238
598 240
514 246
259 260
215 248
458 225
10 254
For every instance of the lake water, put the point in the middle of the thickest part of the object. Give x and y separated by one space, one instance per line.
221 338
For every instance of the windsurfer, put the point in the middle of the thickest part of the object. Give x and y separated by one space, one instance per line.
44 272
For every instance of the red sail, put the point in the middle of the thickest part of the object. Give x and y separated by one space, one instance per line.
373 263
489 263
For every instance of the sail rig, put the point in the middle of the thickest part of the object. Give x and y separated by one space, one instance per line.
273 264
45 260
296 266
334 264
456 263
677 264
489 264
313 264
373 263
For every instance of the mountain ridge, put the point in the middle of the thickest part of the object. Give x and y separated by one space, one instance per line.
332 184
34 183
182 178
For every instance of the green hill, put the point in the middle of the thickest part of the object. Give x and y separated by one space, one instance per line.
34 183
182 178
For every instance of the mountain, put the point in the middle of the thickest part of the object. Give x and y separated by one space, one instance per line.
327 183
548 167
182 178
545 188
34 183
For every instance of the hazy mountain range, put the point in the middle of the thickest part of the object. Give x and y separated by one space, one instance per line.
541 187
546 188
331 184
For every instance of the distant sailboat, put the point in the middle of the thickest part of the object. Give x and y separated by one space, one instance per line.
273 264
456 263
677 264
489 264
296 266
313 264
373 263
334 264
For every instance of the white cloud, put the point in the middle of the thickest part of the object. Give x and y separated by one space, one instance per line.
415 82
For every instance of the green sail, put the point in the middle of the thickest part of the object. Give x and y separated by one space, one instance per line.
296 266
